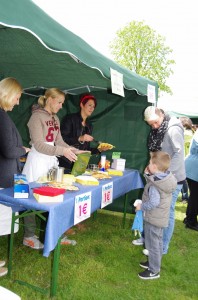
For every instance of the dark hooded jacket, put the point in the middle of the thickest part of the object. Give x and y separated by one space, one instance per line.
11 149
71 130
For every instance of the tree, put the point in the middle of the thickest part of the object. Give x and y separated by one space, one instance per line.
143 51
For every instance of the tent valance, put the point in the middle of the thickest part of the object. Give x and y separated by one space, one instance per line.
41 53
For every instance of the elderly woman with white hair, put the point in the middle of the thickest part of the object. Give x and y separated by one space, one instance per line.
167 134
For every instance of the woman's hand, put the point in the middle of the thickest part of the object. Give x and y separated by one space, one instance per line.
77 151
26 149
69 153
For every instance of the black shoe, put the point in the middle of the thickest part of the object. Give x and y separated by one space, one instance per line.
190 226
144 265
147 274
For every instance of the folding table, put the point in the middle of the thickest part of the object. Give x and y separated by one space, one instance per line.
61 215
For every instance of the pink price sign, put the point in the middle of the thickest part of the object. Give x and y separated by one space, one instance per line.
107 194
82 208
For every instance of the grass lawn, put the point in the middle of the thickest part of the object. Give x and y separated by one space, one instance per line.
104 264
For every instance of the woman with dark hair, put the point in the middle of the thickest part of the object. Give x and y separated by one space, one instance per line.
77 131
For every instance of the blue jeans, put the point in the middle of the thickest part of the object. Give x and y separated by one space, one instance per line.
168 231
184 190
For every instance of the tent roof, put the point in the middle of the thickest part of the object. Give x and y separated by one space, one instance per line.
187 114
39 52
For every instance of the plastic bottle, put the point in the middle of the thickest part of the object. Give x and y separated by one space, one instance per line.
103 162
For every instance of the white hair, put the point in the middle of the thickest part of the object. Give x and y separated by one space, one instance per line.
150 114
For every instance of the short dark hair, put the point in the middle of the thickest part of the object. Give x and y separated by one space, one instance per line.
186 122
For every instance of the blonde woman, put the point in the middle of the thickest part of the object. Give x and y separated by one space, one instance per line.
11 148
47 143
46 139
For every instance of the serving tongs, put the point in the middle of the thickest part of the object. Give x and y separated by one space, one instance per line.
98 142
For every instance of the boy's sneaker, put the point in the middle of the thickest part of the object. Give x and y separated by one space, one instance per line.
66 241
147 274
145 252
144 265
138 242
33 242
3 271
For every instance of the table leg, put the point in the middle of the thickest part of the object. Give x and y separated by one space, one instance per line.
95 214
11 241
10 251
55 266
125 209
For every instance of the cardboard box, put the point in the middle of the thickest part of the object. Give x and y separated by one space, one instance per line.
21 186
87 180
48 199
114 172
47 194
118 164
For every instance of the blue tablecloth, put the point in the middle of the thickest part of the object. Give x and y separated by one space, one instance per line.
61 215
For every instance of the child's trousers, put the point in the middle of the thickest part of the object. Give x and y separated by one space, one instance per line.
154 244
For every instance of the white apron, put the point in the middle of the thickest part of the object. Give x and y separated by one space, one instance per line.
38 164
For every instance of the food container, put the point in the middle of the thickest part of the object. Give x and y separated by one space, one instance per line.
59 174
118 164
103 161
68 179
51 174
81 163
21 186
87 180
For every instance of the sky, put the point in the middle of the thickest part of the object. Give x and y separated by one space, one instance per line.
98 21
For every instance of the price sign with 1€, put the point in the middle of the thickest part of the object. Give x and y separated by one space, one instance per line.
82 208
107 194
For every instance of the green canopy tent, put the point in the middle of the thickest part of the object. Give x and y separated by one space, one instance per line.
192 115
41 53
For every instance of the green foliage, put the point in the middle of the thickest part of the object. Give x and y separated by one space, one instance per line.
143 51
104 264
